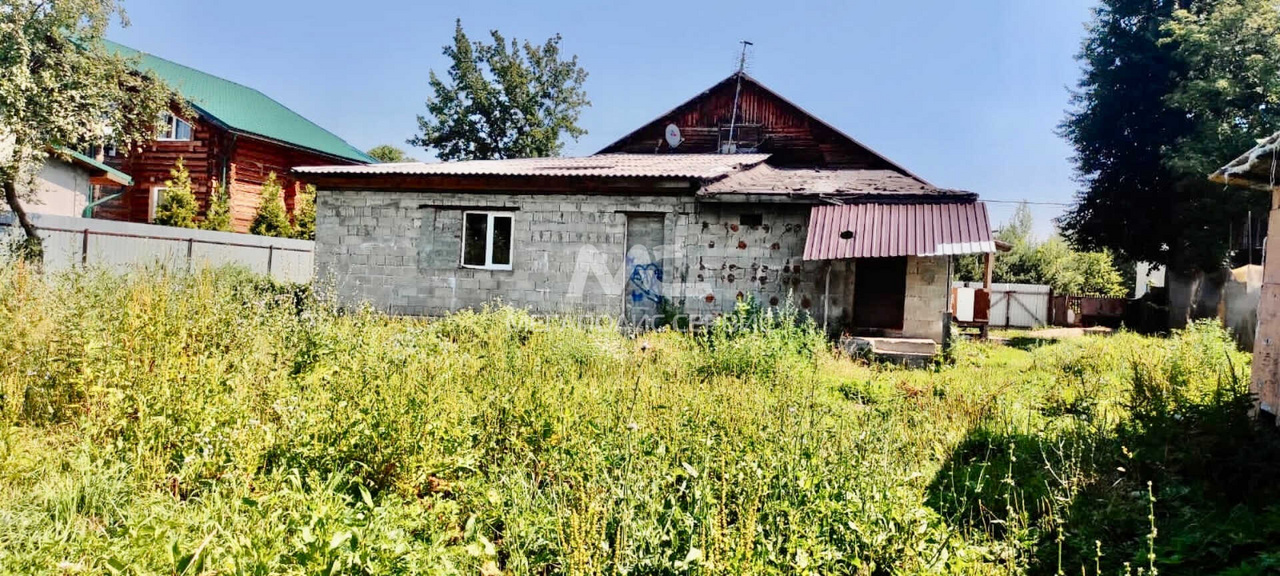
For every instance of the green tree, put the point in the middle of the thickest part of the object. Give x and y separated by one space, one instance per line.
217 216
304 214
387 154
272 219
178 207
60 89
1052 262
502 100
1171 90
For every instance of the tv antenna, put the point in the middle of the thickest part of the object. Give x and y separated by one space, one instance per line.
742 66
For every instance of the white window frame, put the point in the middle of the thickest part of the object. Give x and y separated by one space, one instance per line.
488 241
154 202
169 128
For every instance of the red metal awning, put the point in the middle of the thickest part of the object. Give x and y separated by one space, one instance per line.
887 230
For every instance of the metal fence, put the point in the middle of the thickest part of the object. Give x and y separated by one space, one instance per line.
70 242
1016 305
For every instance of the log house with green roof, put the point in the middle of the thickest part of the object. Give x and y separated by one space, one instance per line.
233 134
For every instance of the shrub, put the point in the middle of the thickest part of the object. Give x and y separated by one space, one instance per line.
178 207
217 216
304 214
271 220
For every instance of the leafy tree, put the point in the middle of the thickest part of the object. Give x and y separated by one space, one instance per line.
304 214
387 154
1052 262
217 216
1171 90
60 89
272 219
178 207
502 100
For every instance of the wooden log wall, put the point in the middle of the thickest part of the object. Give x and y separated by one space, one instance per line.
791 135
213 154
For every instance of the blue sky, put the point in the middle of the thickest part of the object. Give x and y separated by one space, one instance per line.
966 94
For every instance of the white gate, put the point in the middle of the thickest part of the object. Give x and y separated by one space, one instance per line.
1016 305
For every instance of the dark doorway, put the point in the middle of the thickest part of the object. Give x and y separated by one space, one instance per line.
879 294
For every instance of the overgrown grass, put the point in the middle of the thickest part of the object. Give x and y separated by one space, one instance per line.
217 423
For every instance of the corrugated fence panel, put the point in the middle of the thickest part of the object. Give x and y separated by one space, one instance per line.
70 242
1016 305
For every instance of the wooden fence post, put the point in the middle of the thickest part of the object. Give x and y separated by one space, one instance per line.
271 252
84 248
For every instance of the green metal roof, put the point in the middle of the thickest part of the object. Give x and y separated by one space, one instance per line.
115 175
242 109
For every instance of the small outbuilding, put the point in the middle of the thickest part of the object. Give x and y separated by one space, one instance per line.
736 193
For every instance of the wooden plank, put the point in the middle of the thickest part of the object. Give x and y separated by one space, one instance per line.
1265 381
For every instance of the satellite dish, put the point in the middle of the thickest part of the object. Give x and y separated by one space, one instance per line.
673 135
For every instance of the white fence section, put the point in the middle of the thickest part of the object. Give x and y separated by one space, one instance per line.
1016 305
72 242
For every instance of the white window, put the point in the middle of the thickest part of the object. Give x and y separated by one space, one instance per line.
109 150
157 196
486 240
173 128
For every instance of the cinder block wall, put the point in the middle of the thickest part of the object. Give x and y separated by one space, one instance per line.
927 293
400 251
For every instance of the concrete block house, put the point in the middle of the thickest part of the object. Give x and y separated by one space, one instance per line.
235 135
721 198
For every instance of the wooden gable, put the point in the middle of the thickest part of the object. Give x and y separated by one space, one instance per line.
766 123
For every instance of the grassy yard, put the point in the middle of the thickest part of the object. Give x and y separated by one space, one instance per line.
215 423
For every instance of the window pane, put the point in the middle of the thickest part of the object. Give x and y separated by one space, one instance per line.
182 130
166 127
502 240
474 236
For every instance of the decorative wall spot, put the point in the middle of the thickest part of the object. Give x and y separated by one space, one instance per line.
773 301
700 278
711 244
733 227
742 244
765 227
786 269
731 278
775 246
741 296
733 266
710 298
706 226
805 303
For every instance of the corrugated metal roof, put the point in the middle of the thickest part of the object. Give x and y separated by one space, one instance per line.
766 179
108 172
241 108
1253 169
887 230
700 166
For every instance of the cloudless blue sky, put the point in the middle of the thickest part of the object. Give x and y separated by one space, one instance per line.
966 94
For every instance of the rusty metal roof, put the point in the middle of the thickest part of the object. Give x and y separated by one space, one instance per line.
1253 169
887 230
766 179
699 166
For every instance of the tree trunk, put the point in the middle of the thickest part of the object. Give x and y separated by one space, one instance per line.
32 248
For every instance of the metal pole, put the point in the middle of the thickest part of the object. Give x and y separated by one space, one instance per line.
271 251
84 248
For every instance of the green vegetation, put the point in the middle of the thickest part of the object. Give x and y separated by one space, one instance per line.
304 214
502 100
219 423
217 216
272 218
1051 262
388 154
1171 91
60 89
178 207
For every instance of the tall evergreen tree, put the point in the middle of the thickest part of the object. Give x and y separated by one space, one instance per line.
1148 127
503 100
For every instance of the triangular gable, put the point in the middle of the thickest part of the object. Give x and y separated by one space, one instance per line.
767 123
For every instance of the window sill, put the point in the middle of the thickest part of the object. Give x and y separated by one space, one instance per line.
499 268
